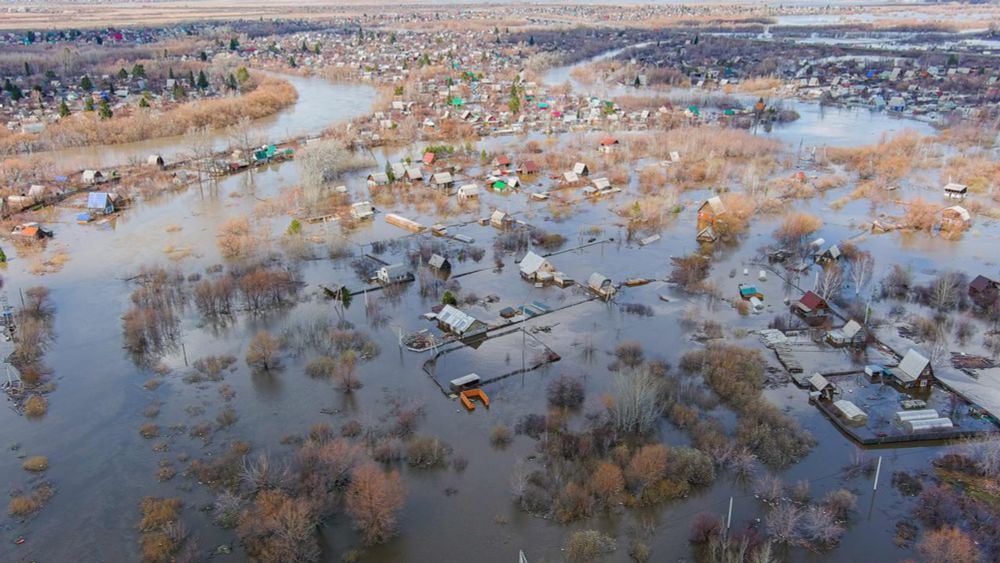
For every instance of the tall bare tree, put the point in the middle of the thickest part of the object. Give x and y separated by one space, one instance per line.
862 267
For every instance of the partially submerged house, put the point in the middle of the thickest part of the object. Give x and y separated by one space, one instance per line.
92 177
821 386
983 291
707 235
439 263
155 160
442 181
535 268
501 219
459 323
362 210
913 371
581 169
468 191
100 203
811 305
955 191
392 273
378 179
30 230
414 174
851 334
608 144
710 212
955 217
601 285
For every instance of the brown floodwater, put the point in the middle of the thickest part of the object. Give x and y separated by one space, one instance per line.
101 467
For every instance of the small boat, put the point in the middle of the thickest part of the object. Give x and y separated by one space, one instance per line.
633 282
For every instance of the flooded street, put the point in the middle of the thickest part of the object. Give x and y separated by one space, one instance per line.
101 467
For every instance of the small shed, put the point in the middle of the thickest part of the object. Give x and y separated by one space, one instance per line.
581 169
442 180
362 210
955 217
821 385
378 179
100 202
848 335
953 190
501 161
501 219
468 191
438 262
155 160
460 384
710 211
608 144
93 177
601 285
707 235
414 174
392 273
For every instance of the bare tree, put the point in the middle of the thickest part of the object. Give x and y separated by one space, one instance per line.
862 266
262 353
243 137
373 501
199 141
638 400
946 291
831 279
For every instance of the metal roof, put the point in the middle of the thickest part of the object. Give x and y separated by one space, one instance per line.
456 320
912 366
532 263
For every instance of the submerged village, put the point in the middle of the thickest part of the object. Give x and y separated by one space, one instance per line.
562 282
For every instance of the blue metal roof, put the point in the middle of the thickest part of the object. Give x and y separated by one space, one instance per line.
98 200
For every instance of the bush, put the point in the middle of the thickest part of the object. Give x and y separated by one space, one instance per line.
36 406
705 527
323 366
36 463
588 545
947 545
262 354
630 354
500 436
426 452
157 512
149 431
566 392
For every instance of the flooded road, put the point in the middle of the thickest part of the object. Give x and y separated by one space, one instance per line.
320 104
102 468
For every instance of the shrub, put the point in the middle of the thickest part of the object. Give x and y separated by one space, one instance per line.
36 406
323 366
36 463
705 527
426 452
149 431
500 436
948 544
630 354
157 512
24 505
566 392
607 483
588 545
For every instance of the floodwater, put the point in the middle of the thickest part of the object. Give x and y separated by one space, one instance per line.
316 108
817 125
101 467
